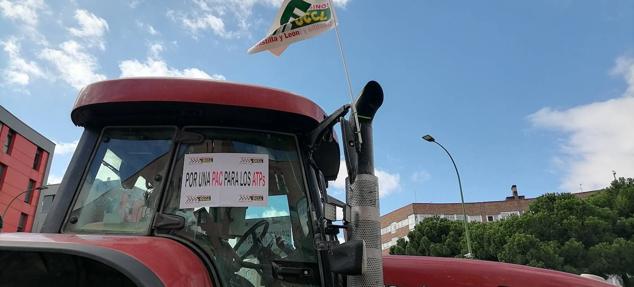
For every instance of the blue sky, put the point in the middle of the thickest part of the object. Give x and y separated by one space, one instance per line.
534 93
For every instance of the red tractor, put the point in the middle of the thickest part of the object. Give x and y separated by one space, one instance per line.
200 183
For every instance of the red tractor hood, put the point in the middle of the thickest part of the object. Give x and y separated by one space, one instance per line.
414 271
147 261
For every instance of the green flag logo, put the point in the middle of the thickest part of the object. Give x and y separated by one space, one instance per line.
289 11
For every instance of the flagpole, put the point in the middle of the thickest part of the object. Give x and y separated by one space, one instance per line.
345 70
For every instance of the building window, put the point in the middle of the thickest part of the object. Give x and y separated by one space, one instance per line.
507 214
22 222
29 191
474 218
490 218
38 158
8 142
393 227
3 172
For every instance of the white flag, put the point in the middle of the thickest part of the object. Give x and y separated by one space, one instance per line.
295 21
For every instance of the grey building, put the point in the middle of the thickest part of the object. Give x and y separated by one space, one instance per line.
44 205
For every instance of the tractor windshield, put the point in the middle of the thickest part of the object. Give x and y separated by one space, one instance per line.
256 226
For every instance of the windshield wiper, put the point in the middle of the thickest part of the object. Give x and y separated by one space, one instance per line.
111 167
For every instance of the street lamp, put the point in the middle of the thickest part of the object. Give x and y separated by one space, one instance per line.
4 213
431 139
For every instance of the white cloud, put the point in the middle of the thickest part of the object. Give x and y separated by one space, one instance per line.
598 136
207 22
199 22
25 11
134 3
54 179
147 28
341 3
420 176
151 30
19 71
272 212
154 66
340 182
156 50
388 182
625 67
70 61
158 68
62 148
91 28
74 65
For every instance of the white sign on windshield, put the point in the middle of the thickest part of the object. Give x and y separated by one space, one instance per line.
225 179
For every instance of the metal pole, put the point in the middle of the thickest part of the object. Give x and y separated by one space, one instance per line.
345 69
415 199
4 213
464 210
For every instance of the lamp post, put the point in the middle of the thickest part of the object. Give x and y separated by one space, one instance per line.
431 139
4 213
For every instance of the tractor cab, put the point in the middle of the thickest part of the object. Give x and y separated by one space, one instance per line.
234 173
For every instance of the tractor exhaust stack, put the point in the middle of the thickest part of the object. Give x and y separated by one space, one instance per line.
362 186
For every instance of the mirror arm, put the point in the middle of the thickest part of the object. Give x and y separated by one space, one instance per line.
314 138
336 202
324 126
317 171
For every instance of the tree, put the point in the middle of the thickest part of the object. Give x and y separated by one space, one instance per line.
616 257
432 237
559 231
526 249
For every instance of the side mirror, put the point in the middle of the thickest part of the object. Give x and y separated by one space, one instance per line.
1 222
324 145
348 258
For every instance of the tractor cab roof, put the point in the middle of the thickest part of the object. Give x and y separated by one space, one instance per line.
187 102
173 101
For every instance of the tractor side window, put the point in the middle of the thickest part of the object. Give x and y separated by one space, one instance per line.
120 191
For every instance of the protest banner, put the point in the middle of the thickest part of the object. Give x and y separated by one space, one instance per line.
224 180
